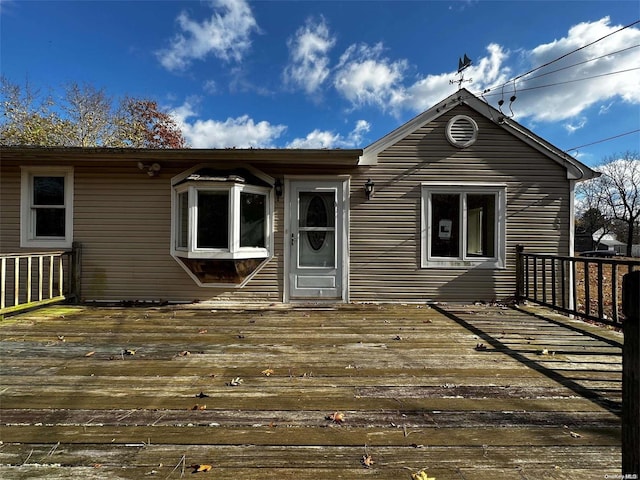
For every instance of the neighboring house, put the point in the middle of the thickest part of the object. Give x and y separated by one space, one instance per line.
454 190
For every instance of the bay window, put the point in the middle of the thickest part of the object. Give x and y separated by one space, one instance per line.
221 221
222 225
463 226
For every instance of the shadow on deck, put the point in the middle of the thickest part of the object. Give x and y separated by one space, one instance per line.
470 392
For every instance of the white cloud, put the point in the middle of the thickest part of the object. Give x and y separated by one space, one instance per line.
364 77
572 127
328 139
239 132
581 79
427 91
308 50
226 35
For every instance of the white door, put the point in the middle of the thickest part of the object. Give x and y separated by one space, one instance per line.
316 239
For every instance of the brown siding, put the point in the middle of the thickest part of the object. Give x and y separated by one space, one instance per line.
385 231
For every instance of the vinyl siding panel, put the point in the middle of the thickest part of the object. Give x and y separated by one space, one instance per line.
122 219
385 231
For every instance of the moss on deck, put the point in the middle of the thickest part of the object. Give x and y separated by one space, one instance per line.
462 392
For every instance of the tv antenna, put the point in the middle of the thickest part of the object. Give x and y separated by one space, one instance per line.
463 64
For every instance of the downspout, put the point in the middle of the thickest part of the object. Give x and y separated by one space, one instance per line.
572 230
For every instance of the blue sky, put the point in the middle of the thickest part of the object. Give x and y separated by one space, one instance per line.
339 74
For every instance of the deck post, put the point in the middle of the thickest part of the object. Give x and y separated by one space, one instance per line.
76 270
519 273
631 375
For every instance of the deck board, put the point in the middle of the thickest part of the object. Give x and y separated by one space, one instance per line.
540 401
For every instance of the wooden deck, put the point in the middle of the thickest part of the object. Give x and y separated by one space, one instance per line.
133 393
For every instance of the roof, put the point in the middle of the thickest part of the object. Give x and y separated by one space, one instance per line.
330 157
576 170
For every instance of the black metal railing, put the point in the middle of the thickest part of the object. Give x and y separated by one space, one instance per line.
587 287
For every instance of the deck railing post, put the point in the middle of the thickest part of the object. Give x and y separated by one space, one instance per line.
519 273
76 270
631 375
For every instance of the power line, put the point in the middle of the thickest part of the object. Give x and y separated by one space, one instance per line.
584 61
561 57
603 140
567 81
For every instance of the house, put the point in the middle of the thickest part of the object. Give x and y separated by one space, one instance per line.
432 211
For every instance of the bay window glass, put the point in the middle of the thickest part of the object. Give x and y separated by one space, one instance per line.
253 216
182 233
213 220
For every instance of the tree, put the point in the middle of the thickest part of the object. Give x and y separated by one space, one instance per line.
146 126
90 112
84 117
28 118
616 193
593 222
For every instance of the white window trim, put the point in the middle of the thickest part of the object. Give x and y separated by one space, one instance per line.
234 251
28 237
428 261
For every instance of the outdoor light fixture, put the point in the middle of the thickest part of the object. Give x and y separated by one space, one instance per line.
152 170
368 188
278 187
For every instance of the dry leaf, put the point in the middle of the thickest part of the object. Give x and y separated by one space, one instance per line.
201 468
201 395
201 331
575 435
267 372
337 417
367 461
235 382
184 353
90 354
199 407
128 352
421 475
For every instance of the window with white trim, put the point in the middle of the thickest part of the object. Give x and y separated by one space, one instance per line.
222 225
463 226
46 214
221 220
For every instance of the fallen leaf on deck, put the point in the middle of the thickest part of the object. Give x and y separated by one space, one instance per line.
89 354
267 372
235 382
575 435
204 330
199 407
184 353
421 475
367 461
129 352
337 417
201 468
201 395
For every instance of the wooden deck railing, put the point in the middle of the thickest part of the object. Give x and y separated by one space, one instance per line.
34 279
587 287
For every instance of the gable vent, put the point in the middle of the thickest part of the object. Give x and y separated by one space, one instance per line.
462 131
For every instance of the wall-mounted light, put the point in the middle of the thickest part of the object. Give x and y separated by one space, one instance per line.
152 170
278 188
368 188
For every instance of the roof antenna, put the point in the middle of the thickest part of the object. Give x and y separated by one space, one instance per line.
463 64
